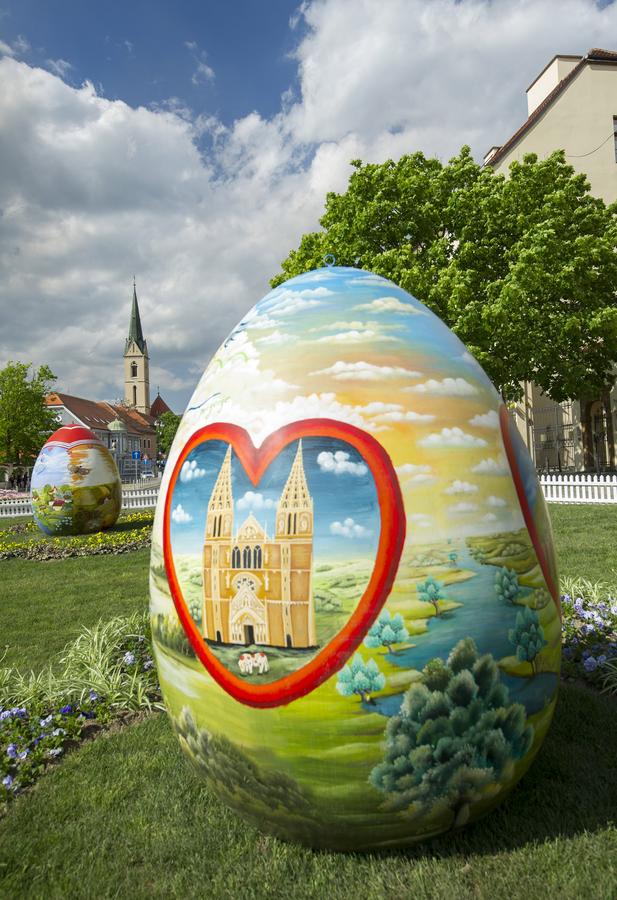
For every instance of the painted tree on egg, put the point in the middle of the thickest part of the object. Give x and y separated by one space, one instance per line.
527 636
361 678
507 587
386 631
431 591
455 739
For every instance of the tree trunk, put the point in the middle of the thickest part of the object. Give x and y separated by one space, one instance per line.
610 431
587 435
436 605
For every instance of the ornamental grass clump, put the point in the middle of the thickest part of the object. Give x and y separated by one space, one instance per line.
107 672
589 632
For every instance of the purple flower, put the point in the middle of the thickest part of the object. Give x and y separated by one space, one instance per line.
148 664
568 652
55 751
7 781
586 653
93 695
590 664
5 714
129 658
11 751
24 754
66 710
601 660
45 722
20 712
58 731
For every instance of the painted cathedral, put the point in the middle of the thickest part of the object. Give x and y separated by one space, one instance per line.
258 590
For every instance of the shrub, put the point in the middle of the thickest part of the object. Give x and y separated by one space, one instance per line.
589 632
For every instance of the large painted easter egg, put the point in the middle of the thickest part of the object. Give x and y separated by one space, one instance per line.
75 487
353 590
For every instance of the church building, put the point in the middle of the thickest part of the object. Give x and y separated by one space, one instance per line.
258 589
124 427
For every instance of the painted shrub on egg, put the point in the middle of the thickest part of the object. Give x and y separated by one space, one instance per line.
353 586
76 487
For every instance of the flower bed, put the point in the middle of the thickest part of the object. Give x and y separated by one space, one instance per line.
115 540
106 672
589 633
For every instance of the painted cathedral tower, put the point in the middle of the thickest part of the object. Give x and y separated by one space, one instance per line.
136 363
259 590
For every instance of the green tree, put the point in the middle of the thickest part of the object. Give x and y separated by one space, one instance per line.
166 427
431 591
360 678
25 421
522 269
453 556
527 636
455 738
506 585
387 630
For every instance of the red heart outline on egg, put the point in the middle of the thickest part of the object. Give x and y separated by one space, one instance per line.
391 540
505 424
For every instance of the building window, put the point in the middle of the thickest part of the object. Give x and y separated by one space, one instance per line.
246 558
615 135
235 558
133 370
134 395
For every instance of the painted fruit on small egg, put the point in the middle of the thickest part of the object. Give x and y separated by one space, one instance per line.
353 589
76 487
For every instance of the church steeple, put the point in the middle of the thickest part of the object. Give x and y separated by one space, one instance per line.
294 515
135 332
136 369
219 521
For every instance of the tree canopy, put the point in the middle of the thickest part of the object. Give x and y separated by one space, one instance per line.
523 269
166 428
25 421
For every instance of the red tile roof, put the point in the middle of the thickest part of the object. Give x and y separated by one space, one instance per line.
99 415
158 407
593 55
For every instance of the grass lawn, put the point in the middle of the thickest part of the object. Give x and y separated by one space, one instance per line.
125 815
44 605
586 540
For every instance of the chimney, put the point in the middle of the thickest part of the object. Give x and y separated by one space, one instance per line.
548 79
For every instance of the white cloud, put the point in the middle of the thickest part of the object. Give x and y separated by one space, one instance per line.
420 520
203 212
489 517
488 419
59 66
190 471
389 304
460 509
276 338
495 501
255 501
448 387
452 437
491 466
404 415
339 463
413 469
365 371
349 529
461 487
180 516
354 336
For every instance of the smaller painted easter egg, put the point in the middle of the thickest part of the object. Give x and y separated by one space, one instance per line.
76 487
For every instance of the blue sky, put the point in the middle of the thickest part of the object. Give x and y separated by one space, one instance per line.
226 59
357 532
193 144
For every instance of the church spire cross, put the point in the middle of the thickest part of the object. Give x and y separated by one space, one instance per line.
135 331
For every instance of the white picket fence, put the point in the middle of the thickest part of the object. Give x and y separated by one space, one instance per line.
133 498
556 489
579 488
